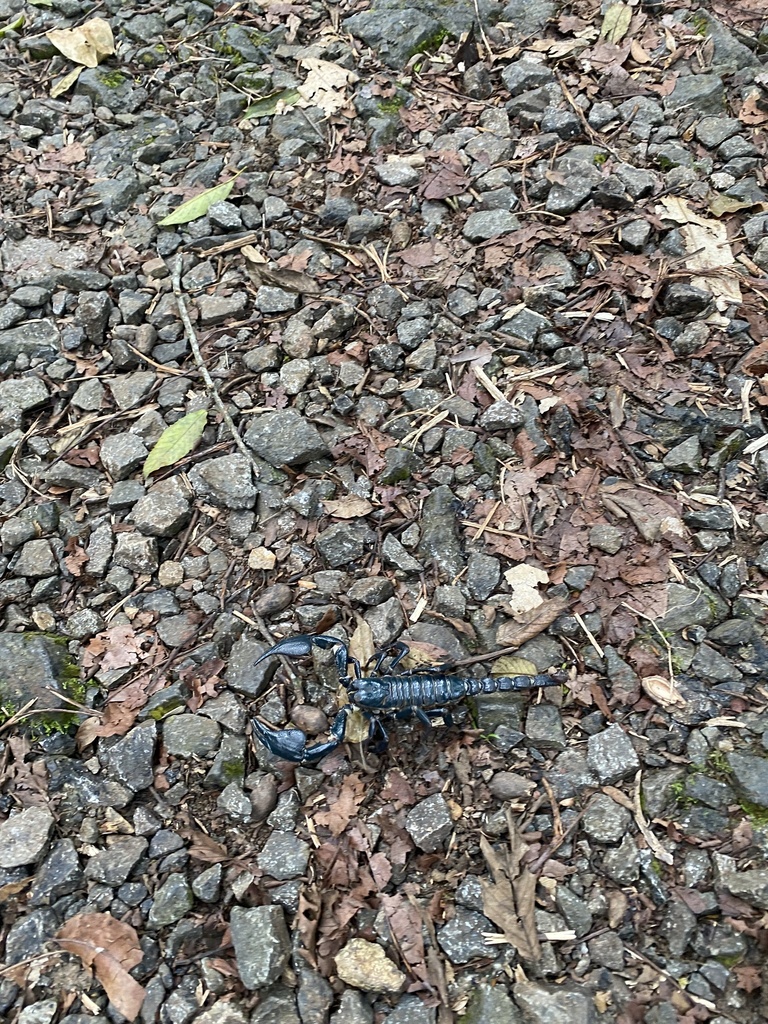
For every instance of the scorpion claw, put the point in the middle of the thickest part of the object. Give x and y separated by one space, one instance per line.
291 744
296 646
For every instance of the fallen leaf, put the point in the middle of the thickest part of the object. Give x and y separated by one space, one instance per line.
361 646
63 84
86 44
274 103
509 899
281 277
199 205
662 691
176 441
530 624
616 23
348 507
511 666
12 26
525 580
111 948
709 250
326 85
654 515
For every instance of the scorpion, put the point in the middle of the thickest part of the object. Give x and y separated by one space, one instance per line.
421 692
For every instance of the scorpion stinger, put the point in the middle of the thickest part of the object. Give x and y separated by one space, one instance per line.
421 693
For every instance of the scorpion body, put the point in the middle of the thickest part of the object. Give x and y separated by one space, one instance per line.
424 693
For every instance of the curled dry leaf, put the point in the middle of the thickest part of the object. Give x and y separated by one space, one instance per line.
529 625
111 948
261 273
325 85
662 691
86 44
654 515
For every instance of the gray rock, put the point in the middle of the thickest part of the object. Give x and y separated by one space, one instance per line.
684 457
394 34
277 1006
113 865
353 1009
130 760
528 18
611 755
689 606
501 415
191 736
37 340
122 454
131 390
271 300
565 199
523 75
345 543
28 936
218 309
136 553
24 837
84 623
24 392
207 886
429 823
439 542
544 727
486 224
160 515
750 886
172 901
234 803
750 776
604 820
92 314
397 173
622 864
59 875
483 575
35 560
89 395
284 856
226 481
395 554
713 131
262 944
286 439
462 938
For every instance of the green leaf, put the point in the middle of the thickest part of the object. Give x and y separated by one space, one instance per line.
13 27
616 23
268 105
199 206
176 441
41 3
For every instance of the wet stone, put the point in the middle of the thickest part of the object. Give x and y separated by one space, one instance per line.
429 823
284 856
28 936
462 938
611 755
750 776
262 944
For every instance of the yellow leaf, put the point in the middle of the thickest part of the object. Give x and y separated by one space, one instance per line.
512 666
176 441
200 204
86 44
60 87
616 22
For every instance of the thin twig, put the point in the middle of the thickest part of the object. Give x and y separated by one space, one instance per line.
193 344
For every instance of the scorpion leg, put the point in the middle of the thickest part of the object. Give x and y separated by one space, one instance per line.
400 650
291 744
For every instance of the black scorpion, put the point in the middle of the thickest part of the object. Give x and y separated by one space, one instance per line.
422 692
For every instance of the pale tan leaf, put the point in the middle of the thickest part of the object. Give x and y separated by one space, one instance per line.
525 580
639 54
361 644
348 507
511 666
87 44
662 691
709 251
60 87
326 85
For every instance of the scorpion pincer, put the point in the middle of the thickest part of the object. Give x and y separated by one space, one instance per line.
423 692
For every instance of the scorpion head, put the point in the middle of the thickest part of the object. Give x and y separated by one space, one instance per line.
369 693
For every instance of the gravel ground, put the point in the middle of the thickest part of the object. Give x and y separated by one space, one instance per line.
466 350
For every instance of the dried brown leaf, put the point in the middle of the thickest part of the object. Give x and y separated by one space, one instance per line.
529 625
111 948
